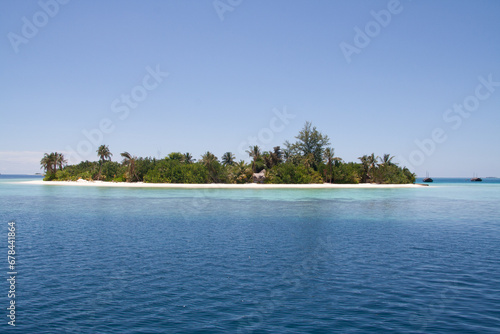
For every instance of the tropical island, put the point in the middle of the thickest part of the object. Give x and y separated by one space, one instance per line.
309 160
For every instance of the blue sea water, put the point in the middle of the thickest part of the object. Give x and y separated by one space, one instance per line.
137 260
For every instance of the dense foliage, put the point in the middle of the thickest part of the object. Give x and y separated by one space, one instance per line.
309 160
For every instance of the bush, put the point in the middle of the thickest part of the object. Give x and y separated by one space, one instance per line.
49 177
173 171
63 175
288 173
109 170
347 173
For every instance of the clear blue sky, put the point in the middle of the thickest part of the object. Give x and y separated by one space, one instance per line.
230 69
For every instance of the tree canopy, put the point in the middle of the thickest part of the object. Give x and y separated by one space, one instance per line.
310 145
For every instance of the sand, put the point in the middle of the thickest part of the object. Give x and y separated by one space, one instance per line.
219 185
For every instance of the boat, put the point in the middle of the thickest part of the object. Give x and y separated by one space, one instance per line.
427 178
476 179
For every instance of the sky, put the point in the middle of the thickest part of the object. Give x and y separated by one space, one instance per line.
417 79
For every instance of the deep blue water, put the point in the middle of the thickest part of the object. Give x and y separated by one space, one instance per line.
115 260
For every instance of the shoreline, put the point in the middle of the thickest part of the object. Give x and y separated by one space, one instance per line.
220 185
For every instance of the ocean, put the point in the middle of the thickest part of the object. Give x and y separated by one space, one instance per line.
139 260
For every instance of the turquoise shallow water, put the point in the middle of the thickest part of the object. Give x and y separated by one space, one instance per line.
114 260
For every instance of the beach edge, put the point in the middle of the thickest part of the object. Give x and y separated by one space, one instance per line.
219 185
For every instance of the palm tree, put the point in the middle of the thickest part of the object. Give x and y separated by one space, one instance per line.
366 168
369 163
372 160
208 158
277 155
255 153
228 159
273 158
241 172
384 167
268 162
386 160
129 160
51 161
47 163
53 158
60 161
104 154
328 155
210 161
187 158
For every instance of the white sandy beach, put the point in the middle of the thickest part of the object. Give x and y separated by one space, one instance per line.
220 185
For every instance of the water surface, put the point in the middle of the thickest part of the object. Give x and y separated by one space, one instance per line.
116 260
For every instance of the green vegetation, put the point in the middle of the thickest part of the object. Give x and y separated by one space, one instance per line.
50 162
104 155
310 159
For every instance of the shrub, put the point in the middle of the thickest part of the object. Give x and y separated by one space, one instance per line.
63 175
290 173
49 177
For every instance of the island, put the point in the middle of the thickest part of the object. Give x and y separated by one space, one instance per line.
307 161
